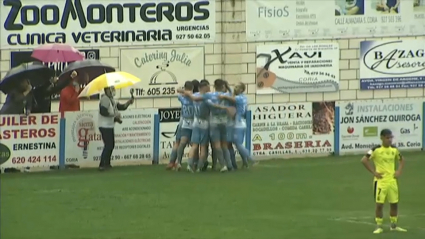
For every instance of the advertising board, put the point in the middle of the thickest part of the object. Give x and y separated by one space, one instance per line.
29 141
292 128
162 69
272 20
396 64
297 68
133 139
168 121
29 23
362 121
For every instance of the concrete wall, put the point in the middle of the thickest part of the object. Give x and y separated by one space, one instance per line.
233 59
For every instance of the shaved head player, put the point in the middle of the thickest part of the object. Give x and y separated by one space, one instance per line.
384 158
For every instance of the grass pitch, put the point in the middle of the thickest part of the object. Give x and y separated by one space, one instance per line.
314 198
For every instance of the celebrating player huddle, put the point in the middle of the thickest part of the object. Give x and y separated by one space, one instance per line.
218 119
211 118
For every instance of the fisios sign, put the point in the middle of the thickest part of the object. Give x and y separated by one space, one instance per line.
362 121
392 64
105 22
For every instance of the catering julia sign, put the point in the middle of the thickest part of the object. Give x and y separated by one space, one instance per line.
29 141
163 69
28 23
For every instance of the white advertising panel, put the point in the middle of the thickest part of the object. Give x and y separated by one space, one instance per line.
29 141
134 138
395 64
29 23
274 20
297 68
362 121
162 70
292 128
168 121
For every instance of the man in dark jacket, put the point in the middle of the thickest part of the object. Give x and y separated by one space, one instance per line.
42 96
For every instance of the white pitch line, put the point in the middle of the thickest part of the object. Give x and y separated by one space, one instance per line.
353 221
300 165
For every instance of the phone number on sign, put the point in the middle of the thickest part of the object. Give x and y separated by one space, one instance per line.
193 36
156 91
126 157
34 159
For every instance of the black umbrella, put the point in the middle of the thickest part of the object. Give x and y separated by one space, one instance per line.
90 69
36 73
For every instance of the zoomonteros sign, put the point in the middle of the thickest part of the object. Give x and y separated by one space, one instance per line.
27 23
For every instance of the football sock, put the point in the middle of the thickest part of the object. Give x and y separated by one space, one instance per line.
213 158
379 221
190 162
393 221
180 152
233 156
219 154
226 155
244 154
201 162
173 156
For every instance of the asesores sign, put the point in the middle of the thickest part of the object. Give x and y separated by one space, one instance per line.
105 22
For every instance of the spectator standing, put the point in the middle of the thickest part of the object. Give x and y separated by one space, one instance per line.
108 116
42 96
19 100
69 100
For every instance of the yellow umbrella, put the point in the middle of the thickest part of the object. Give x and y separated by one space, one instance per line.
116 79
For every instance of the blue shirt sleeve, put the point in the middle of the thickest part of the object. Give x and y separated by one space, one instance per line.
210 98
239 100
181 98
207 96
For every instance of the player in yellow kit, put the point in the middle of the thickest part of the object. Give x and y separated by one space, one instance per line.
384 158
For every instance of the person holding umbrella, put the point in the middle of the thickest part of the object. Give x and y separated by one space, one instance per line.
58 53
109 108
18 100
69 100
17 85
76 73
43 91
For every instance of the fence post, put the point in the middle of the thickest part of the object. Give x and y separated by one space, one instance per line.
62 141
248 131
336 131
423 125
156 139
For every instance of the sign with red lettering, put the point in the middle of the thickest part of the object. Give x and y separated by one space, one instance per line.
29 141
292 128
133 138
